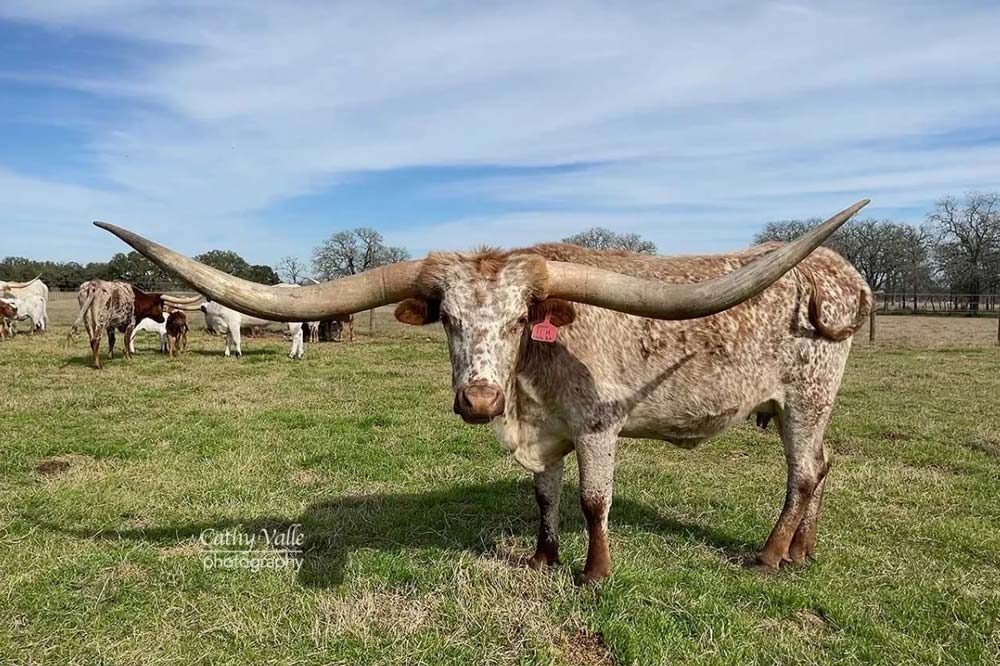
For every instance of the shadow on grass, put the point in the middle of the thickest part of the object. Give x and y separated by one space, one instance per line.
465 518
220 353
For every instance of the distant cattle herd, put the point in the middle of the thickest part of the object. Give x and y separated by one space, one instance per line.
110 307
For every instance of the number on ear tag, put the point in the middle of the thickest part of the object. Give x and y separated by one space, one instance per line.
544 331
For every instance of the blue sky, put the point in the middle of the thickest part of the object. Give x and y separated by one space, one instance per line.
265 127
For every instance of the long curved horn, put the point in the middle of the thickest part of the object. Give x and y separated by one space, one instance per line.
355 293
649 298
20 285
181 300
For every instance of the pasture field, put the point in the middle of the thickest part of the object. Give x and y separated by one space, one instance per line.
415 523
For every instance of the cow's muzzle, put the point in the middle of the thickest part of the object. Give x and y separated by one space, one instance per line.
479 402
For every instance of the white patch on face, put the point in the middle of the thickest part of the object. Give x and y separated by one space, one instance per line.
484 320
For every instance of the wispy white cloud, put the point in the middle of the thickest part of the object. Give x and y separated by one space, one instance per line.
723 114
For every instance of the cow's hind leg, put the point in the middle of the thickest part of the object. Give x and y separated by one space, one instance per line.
803 546
548 489
128 334
95 351
793 538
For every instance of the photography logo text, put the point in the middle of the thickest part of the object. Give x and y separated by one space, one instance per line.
264 548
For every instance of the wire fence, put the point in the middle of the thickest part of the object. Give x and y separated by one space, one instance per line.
938 304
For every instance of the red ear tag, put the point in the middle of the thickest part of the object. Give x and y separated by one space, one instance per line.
544 331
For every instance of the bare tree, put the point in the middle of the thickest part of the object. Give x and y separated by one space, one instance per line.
785 230
291 269
352 252
967 251
599 238
889 255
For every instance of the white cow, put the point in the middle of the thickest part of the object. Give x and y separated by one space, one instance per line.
226 321
24 290
147 324
33 307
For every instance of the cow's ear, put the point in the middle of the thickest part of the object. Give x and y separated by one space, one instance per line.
560 312
418 311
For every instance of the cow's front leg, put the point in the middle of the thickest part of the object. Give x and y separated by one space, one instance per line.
548 489
595 455
111 343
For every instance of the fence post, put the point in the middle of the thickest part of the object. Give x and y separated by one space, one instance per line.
998 330
872 325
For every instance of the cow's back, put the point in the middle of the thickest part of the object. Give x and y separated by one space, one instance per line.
688 380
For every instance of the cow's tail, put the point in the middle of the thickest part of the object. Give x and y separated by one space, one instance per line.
831 331
80 317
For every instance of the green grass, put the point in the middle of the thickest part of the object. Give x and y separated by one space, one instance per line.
415 522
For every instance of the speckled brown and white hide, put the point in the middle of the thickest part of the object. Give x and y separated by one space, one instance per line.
106 306
610 374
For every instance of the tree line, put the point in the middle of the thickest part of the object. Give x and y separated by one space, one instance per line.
131 267
955 251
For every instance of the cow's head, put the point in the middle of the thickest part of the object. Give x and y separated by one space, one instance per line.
487 303
8 310
487 300
155 306
148 306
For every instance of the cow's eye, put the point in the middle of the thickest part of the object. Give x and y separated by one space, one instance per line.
523 321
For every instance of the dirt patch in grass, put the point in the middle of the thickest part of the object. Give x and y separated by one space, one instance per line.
586 648
61 464
805 621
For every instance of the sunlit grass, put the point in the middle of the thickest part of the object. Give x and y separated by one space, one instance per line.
415 522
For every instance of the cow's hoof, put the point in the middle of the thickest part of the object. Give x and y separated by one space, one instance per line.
762 567
590 579
542 560
799 560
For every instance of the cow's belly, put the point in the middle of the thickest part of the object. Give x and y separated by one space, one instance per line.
687 432
689 422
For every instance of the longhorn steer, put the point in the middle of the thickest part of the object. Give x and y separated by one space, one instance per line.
750 331
33 287
106 306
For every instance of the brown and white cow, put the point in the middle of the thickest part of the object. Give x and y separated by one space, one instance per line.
670 348
8 317
109 306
